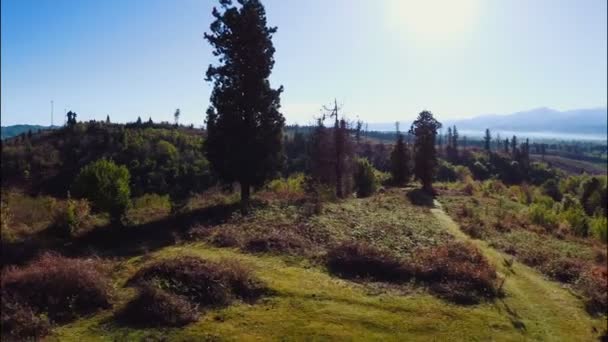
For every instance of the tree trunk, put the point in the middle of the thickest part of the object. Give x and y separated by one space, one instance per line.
245 198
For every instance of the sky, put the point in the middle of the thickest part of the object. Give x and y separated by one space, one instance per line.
383 60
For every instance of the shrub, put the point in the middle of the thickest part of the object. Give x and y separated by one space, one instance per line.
458 272
542 216
577 219
359 260
566 270
200 281
20 322
593 284
153 307
58 287
106 185
479 171
551 189
446 172
277 242
71 217
598 225
365 178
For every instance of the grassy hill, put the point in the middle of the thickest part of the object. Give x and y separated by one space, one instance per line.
475 263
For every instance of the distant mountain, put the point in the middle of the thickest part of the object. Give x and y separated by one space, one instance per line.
580 121
540 120
14 130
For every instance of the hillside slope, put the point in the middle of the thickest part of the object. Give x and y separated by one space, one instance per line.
308 303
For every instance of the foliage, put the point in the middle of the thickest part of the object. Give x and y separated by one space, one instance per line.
446 172
551 189
106 185
203 282
55 286
244 125
400 162
598 226
359 260
424 129
148 207
365 178
155 307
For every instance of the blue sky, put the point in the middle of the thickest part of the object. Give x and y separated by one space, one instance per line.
384 60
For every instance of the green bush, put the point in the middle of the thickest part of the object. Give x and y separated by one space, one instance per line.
575 216
149 207
106 185
365 178
543 216
446 172
551 189
598 225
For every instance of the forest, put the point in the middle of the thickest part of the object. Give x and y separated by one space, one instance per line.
251 229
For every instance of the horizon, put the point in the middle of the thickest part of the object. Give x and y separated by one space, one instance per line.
113 58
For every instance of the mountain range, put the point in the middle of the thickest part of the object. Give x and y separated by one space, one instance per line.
578 121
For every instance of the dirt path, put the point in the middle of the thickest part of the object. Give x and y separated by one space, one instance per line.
539 308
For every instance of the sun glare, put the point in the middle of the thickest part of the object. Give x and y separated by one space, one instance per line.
436 20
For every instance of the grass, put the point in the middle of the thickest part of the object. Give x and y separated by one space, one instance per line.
310 304
307 303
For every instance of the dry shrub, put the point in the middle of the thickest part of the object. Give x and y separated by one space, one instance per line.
54 286
153 307
458 272
20 322
566 270
200 281
534 257
277 242
593 283
359 260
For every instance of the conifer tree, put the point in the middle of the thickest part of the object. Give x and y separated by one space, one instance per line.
108 119
400 161
487 139
424 130
244 125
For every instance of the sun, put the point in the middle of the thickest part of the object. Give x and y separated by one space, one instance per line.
433 20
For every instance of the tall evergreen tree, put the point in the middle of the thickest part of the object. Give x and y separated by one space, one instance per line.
108 119
424 130
487 140
244 125
514 147
176 116
400 162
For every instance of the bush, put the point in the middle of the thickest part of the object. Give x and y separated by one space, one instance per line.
200 281
153 307
566 270
458 272
106 185
446 172
277 242
479 171
575 216
58 287
542 216
365 178
593 284
359 260
598 226
20 322
551 189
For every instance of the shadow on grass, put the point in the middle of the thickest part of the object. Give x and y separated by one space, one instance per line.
113 240
420 197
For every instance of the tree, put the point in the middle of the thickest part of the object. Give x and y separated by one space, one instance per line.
71 118
106 185
400 162
487 139
506 147
176 117
365 178
138 122
514 149
108 119
244 125
424 130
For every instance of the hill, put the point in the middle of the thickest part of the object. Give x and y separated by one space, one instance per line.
14 130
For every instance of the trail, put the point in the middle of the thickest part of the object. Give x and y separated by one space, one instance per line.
531 299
